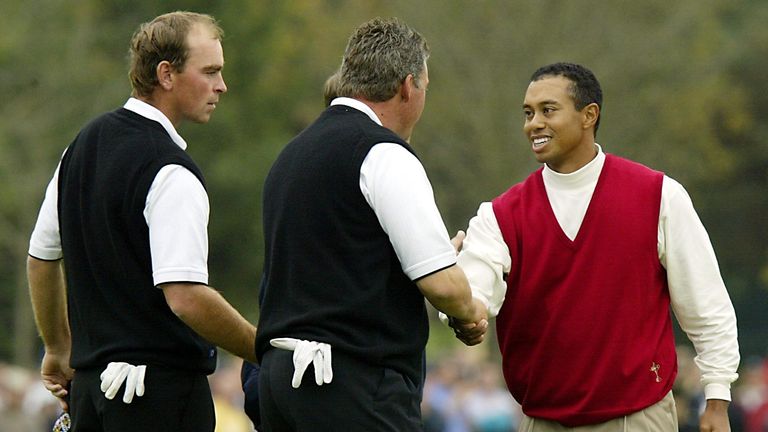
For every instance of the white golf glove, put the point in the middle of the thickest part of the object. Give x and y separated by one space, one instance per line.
305 352
118 372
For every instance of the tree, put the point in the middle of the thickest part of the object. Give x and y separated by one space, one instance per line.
682 84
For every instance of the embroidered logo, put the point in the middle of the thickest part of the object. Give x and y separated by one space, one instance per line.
655 369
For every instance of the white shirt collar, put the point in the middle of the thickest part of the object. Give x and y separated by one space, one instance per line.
148 111
356 104
587 174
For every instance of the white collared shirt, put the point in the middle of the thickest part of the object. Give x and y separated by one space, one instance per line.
395 185
699 298
176 211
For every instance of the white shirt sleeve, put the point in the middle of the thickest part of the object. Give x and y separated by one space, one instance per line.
485 259
699 298
177 216
45 242
177 213
395 185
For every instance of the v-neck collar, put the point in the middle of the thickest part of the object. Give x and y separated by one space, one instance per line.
597 167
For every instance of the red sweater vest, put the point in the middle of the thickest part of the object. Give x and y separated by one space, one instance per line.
585 330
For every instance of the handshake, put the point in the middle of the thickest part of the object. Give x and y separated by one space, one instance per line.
469 332
472 330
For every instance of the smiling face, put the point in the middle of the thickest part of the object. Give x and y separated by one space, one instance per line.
560 135
199 84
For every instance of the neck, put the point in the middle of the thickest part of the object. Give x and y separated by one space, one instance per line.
156 100
389 115
577 158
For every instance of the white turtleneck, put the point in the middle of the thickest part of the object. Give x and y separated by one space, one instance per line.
699 298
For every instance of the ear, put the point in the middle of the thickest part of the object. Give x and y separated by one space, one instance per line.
406 88
165 75
591 113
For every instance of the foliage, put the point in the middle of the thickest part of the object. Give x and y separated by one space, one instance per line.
683 82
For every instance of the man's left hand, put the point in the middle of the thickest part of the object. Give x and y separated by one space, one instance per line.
56 375
458 240
715 417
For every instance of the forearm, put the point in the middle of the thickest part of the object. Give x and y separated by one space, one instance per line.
48 294
448 291
206 312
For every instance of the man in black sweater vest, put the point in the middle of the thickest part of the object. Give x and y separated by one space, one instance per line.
128 211
354 244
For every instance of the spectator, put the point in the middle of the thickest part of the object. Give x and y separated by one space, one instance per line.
488 406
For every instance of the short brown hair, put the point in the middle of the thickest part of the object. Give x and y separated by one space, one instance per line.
163 39
380 54
331 88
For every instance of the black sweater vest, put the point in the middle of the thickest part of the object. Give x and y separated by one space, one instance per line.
331 274
115 311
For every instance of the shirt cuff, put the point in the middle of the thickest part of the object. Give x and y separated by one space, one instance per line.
443 317
717 391
180 275
45 254
425 268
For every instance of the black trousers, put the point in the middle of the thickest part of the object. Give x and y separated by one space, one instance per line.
249 378
361 397
173 401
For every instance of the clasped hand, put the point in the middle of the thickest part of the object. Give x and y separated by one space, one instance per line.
470 333
118 372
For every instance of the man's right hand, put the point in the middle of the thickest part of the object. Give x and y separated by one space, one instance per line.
471 332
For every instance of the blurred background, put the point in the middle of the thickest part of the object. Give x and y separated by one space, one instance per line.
684 92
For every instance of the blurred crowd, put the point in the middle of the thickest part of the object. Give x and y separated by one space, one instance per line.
26 406
749 410
464 392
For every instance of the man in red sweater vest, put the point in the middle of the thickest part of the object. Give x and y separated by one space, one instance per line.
581 262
